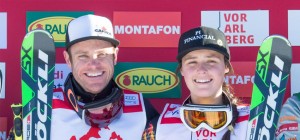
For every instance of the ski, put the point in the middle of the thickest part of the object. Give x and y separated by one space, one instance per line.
37 66
272 71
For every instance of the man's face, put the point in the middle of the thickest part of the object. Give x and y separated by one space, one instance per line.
92 63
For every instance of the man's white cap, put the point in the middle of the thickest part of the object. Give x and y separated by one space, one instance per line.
90 27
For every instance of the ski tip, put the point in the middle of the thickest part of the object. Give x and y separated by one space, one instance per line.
38 30
280 37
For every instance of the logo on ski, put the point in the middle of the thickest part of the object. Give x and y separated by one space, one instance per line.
272 72
253 128
28 127
271 99
42 97
38 61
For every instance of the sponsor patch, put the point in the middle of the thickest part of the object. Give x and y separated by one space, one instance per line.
287 118
172 111
131 100
244 109
58 95
287 127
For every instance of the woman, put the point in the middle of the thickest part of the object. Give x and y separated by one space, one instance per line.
211 112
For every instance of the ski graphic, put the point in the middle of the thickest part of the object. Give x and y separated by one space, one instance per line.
37 65
272 71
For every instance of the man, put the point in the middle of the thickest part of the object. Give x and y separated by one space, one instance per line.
92 105
288 123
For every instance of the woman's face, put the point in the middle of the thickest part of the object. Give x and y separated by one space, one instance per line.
203 71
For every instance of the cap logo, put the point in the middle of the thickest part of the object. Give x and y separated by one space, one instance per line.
198 35
220 42
103 30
